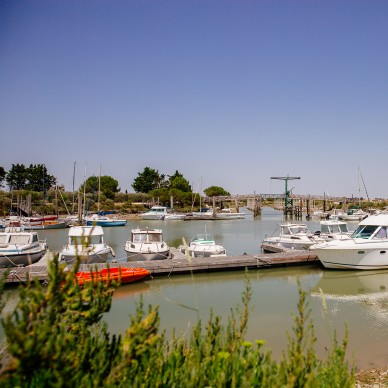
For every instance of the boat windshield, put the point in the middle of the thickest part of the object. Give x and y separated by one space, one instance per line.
153 237
86 240
146 237
298 229
335 228
19 239
203 237
381 233
364 231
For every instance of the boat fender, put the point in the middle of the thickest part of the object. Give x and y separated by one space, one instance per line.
112 252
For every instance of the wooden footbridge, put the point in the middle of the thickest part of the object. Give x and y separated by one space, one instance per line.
179 264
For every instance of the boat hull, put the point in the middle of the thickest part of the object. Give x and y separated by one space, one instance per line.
204 251
124 275
359 256
107 223
147 256
10 259
274 245
46 225
85 259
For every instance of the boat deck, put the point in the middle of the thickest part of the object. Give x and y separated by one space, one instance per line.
179 264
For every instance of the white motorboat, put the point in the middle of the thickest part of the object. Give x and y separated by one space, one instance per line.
99 220
146 244
162 213
291 236
19 247
333 230
203 245
155 213
228 214
87 243
353 215
367 247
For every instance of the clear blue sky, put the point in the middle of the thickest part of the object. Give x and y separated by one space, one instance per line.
227 92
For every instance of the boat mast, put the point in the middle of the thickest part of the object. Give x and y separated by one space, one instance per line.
72 210
360 175
84 207
99 190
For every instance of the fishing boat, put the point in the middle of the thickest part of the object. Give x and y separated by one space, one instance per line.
19 247
291 236
203 245
146 244
123 275
104 221
366 249
87 243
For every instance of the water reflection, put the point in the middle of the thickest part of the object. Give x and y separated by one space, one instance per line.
360 299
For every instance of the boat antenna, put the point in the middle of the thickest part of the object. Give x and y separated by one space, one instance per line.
366 191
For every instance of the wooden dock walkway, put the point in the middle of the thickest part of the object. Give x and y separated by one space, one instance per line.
180 264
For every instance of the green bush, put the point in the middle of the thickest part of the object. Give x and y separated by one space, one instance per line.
55 337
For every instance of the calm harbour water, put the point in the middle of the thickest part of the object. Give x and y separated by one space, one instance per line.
353 298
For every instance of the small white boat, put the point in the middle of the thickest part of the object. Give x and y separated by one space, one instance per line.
87 243
353 215
203 245
366 249
228 214
333 230
162 213
155 213
291 236
203 214
19 247
146 244
105 221
174 217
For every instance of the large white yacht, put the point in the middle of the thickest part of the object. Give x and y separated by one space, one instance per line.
367 247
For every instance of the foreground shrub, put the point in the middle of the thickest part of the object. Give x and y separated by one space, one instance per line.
55 337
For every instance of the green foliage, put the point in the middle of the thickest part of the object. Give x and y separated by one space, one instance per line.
55 338
148 180
16 177
108 186
215 191
2 175
34 178
178 182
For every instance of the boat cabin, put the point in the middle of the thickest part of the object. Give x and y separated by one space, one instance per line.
146 235
17 237
334 227
86 235
292 229
373 227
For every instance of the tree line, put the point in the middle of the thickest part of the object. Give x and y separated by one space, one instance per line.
35 177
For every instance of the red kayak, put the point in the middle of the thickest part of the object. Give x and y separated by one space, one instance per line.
125 275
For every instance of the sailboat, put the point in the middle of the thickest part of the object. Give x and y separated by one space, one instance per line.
99 219
356 214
